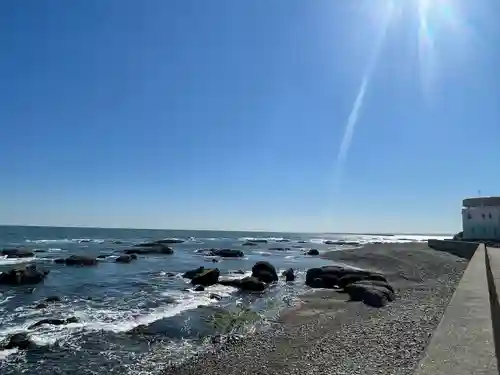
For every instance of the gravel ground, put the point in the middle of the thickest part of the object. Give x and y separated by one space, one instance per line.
329 335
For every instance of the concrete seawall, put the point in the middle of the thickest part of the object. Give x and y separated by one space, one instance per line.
459 248
464 342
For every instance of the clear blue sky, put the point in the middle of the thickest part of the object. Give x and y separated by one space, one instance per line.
230 114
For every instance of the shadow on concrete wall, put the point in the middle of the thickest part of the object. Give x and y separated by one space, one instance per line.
459 248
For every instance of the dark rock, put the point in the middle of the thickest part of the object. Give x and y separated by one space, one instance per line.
317 283
53 299
170 274
375 298
193 273
288 274
215 260
133 256
55 322
123 259
259 241
80 260
264 271
329 242
302 241
41 305
340 276
241 272
313 252
249 243
357 290
169 241
313 274
102 256
215 296
153 249
157 243
19 341
207 277
39 251
252 284
330 281
199 288
236 283
227 253
279 248
22 276
283 240
265 276
349 279
17 253
117 242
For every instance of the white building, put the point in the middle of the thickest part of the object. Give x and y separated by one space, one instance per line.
481 218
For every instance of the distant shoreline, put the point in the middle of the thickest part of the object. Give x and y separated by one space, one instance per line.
230 230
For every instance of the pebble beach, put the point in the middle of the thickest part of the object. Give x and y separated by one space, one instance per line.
327 334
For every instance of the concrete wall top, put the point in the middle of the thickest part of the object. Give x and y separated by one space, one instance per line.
481 201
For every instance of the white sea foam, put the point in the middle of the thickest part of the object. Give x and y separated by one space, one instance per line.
5 353
261 238
8 261
65 240
6 300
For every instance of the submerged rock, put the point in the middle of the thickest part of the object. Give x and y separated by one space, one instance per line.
19 341
313 252
259 241
166 241
329 242
77 260
53 299
249 283
54 322
125 258
283 240
21 276
17 253
199 288
249 243
279 248
156 249
264 271
227 253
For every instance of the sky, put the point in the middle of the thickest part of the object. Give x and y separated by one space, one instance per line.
297 115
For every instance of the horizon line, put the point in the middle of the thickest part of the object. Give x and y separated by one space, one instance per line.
225 230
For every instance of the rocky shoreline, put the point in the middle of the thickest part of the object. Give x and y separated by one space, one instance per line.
328 334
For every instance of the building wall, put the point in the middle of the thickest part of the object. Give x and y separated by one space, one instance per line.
481 223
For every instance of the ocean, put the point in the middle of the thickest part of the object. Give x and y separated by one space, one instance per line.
136 318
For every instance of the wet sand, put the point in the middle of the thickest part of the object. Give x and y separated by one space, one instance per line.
326 334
